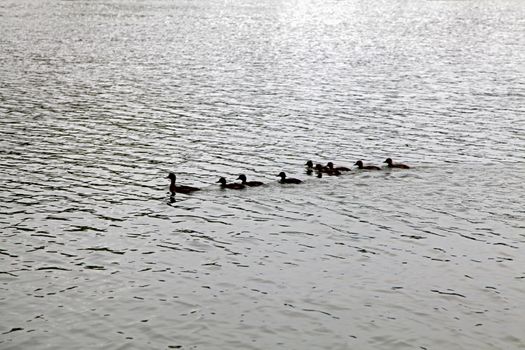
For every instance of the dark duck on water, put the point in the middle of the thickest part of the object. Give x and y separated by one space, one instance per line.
321 169
242 177
360 165
330 166
285 180
309 167
391 164
232 186
179 189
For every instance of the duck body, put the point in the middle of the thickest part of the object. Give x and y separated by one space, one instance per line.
179 189
360 165
284 180
184 189
309 167
331 172
391 164
232 186
242 177
330 166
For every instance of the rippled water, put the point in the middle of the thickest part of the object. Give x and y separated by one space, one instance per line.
99 100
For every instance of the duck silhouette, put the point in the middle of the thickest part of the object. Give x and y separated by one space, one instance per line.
360 165
242 177
331 172
179 189
232 186
309 167
285 180
330 166
391 164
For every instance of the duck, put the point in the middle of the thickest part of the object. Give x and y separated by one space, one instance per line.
284 180
242 177
391 164
321 169
179 189
330 166
360 165
232 186
309 167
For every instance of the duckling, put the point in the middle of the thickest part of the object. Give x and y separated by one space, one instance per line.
242 177
179 189
331 172
233 186
284 180
320 167
396 165
360 165
330 166
309 167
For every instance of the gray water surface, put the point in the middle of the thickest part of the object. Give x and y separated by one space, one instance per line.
99 100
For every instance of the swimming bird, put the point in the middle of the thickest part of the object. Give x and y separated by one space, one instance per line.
330 166
391 164
233 186
179 189
284 180
360 165
309 167
321 169
242 177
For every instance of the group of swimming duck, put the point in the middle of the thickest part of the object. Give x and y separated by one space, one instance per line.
327 169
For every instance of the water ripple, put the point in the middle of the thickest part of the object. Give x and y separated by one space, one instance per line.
99 101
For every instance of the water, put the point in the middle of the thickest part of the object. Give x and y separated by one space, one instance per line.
99 100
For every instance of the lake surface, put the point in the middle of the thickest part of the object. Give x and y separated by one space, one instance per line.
99 100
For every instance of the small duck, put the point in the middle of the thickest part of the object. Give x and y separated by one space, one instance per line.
179 189
320 166
396 165
360 165
284 180
330 166
309 167
232 186
242 177
331 172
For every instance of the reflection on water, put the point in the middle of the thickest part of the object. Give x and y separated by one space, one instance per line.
100 100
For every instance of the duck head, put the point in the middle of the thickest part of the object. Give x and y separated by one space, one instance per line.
388 161
242 177
222 181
